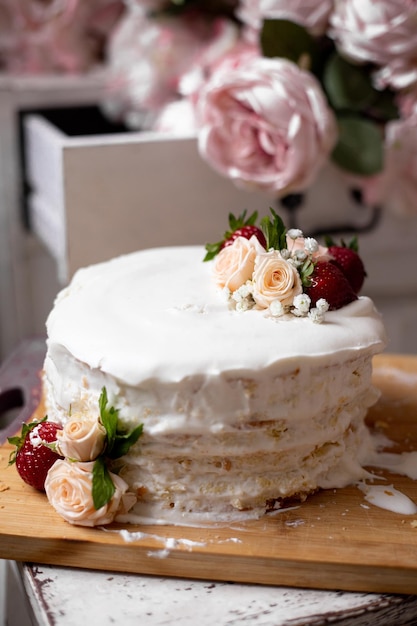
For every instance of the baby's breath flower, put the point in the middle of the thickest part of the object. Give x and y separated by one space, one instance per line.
226 293
311 245
285 253
243 305
322 305
302 303
243 297
294 233
316 316
276 309
300 255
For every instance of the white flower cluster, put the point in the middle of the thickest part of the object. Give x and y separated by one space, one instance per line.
252 277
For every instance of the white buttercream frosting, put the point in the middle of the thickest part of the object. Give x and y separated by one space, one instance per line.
157 314
238 407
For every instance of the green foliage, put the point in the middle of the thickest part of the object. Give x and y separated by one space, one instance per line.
360 108
360 148
285 39
118 444
103 488
274 231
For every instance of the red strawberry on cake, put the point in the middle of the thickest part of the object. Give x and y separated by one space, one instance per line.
34 454
346 257
238 227
328 282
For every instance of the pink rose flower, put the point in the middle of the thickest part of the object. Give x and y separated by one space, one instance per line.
401 157
382 32
176 118
312 14
55 36
82 438
234 264
266 125
274 278
149 58
300 243
68 487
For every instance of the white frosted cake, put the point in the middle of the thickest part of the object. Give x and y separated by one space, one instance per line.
242 410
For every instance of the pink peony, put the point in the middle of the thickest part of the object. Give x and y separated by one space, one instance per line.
312 14
266 125
66 36
148 58
176 118
383 32
401 156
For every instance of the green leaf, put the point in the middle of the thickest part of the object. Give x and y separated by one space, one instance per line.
274 231
305 272
360 147
347 86
288 40
103 488
124 441
384 107
109 418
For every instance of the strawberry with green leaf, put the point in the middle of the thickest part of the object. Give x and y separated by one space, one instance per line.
240 226
327 281
346 257
34 452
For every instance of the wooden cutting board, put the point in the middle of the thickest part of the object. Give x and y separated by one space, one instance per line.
335 540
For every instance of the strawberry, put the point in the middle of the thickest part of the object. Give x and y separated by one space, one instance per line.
329 282
33 456
238 227
247 232
349 261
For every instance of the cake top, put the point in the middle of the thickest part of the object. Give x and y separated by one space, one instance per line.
158 313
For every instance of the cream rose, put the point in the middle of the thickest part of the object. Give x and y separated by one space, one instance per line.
274 278
235 263
68 487
82 438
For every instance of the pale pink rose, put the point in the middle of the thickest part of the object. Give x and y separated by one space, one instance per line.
265 124
299 244
68 487
234 264
148 56
176 118
401 158
274 278
312 14
382 32
66 36
400 73
82 438
223 39
407 102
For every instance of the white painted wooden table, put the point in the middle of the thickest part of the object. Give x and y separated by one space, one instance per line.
69 597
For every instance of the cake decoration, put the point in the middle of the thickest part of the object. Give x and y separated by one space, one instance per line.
71 463
270 267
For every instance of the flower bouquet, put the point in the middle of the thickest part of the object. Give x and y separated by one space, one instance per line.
275 90
55 36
